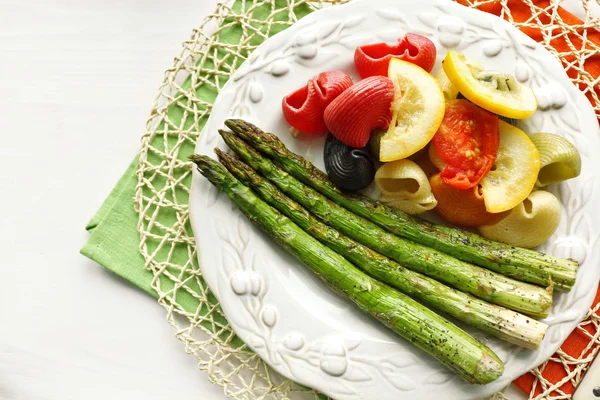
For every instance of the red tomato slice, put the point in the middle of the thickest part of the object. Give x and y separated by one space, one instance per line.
467 141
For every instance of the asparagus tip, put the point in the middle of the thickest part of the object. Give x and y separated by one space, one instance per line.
221 155
202 162
225 134
235 121
195 158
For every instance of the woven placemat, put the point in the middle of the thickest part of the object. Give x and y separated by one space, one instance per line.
209 57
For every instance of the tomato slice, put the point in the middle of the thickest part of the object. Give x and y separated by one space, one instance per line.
467 141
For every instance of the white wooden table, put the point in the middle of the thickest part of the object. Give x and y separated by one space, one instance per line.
77 79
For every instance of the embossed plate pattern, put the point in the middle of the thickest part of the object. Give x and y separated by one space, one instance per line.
285 313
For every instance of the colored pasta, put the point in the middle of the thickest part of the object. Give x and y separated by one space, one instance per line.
559 159
404 186
529 224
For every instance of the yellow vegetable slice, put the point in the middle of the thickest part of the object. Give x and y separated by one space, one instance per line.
417 111
494 91
529 224
560 159
514 173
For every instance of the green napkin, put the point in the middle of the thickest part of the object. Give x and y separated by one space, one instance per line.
114 238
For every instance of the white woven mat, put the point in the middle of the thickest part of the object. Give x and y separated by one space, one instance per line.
212 53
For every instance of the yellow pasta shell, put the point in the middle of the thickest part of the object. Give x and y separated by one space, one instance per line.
435 158
448 88
514 173
412 207
559 158
529 224
404 185
425 164
450 91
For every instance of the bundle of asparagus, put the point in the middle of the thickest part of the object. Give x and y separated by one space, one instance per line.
470 359
522 264
498 321
480 282
333 233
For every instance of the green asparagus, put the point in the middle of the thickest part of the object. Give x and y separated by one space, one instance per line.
522 264
498 321
456 349
486 285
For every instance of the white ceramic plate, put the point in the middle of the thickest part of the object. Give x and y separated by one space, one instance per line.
281 310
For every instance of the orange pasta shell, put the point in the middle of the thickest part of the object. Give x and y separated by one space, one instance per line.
461 207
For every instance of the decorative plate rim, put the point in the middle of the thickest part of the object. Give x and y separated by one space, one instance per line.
329 361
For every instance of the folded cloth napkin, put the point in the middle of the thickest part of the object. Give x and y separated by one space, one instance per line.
114 238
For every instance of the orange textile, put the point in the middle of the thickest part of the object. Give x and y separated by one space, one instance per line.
577 346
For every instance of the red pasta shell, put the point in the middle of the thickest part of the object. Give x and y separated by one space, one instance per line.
363 107
304 108
374 59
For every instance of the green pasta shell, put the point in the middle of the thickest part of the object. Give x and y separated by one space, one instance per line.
560 159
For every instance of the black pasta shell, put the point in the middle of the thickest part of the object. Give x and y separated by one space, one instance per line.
348 168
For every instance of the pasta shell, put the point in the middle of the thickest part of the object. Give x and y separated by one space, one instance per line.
374 59
559 158
404 186
425 164
303 109
461 207
373 97
450 91
435 158
348 168
412 207
529 224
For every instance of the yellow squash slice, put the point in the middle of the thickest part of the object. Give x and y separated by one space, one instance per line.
515 172
494 91
417 111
